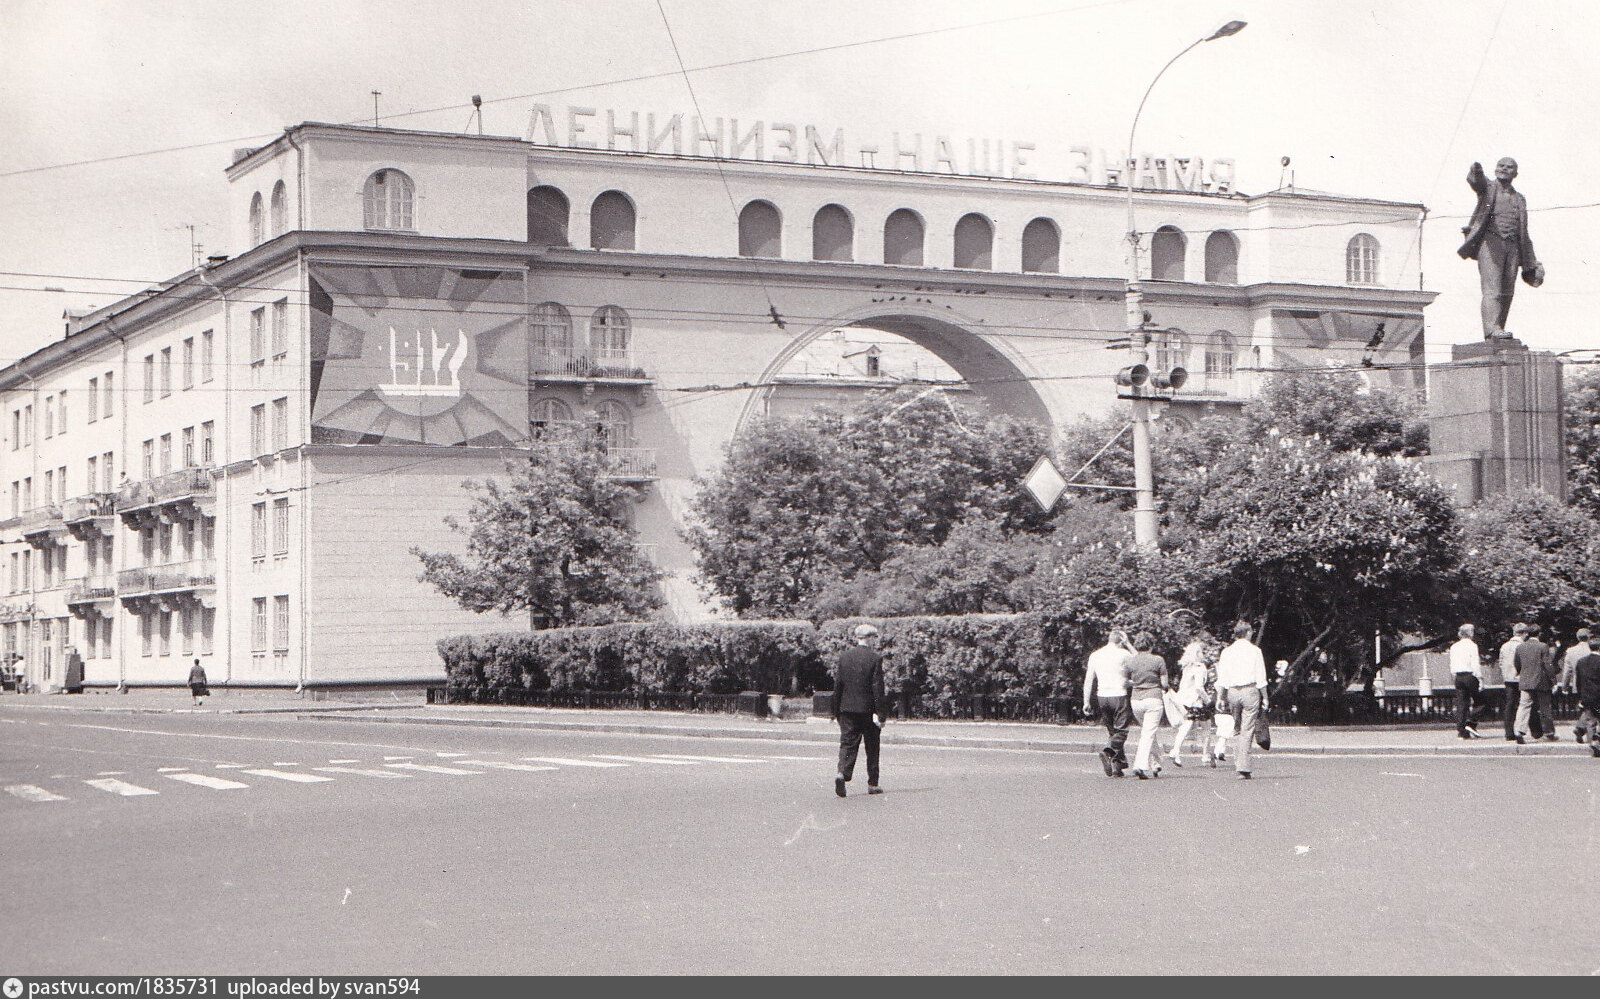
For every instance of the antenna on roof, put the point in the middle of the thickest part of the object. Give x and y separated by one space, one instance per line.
1285 173
375 95
477 110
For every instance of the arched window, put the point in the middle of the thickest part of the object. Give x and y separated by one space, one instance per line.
1041 247
974 243
611 222
1219 359
609 334
1167 247
257 222
549 414
1171 351
833 234
550 329
760 233
1222 257
902 238
280 209
388 198
1361 260
548 213
616 425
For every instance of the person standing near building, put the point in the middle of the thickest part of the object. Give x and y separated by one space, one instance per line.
1569 661
859 702
197 684
1106 681
1469 683
1508 676
1586 678
1242 678
1147 681
1535 673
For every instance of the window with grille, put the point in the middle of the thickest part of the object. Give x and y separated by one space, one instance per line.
609 333
1361 260
388 201
551 329
108 480
1172 351
280 623
188 447
280 526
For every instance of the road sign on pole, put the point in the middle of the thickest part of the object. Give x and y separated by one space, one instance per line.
1045 483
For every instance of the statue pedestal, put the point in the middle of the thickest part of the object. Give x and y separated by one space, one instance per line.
1494 421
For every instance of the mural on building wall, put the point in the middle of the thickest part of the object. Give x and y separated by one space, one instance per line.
417 355
1308 338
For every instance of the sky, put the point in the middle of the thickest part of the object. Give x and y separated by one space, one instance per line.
119 117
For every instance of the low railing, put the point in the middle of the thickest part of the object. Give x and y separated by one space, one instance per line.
86 589
577 364
40 518
81 508
191 575
185 483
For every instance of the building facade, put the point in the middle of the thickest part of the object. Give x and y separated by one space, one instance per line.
235 465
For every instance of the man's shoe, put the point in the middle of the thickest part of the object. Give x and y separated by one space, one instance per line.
1551 737
1473 733
1519 740
838 786
1462 735
874 789
1108 762
1244 775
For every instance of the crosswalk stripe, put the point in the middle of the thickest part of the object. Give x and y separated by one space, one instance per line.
344 761
387 758
648 759
562 761
449 755
121 787
205 780
804 759
498 765
430 768
360 772
170 770
230 766
289 775
711 759
31 792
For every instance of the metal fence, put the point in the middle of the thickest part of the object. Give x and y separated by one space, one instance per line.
616 700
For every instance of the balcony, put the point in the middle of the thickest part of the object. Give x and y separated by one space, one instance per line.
180 495
42 526
86 591
633 464
17 610
167 587
587 368
86 516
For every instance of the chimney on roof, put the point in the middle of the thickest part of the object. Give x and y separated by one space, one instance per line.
216 259
74 320
241 152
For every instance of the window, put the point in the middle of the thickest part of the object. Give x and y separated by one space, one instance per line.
207 445
280 210
1361 260
388 200
27 492
257 222
166 632
615 424
609 333
164 542
149 466
1171 351
94 399
166 372
207 349
1041 247
186 628
61 484
548 214
280 623
550 413
188 447
974 243
258 335
280 423
280 527
166 453
109 406
611 222
149 378
147 627
15 563
49 486
280 329
208 536
61 412
1219 358
147 546
208 623
760 230
109 482
93 467
258 531
188 362
258 429
551 327
1167 248
1222 258
833 234
258 624
16 429
49 416
46 567
16 497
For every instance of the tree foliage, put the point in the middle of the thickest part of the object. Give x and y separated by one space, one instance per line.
1581 402
1529 558
551 539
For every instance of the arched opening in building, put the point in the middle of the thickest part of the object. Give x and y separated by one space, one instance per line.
280 209
833 234
1167 248
550 333
611 222
1222 257
903 235
1361 259
549 213
1170 349
257 222
388 201
1041 247
1220 351
615 423
610 332
760 230
974 243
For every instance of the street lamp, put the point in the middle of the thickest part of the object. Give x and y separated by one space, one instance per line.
1144 508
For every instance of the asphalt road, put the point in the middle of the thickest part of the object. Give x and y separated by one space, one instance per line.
728 856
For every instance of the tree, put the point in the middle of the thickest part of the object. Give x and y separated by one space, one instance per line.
806 502
1581 404
552 540
1527 557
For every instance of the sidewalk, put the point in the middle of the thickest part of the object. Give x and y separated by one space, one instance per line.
385 707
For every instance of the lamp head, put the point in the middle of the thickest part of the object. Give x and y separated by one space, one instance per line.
1231 28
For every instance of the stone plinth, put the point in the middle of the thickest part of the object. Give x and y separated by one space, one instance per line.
1494 417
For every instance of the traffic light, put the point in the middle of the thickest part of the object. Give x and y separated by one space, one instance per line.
1133 376
1173 380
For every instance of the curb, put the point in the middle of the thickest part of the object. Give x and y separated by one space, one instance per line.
309 709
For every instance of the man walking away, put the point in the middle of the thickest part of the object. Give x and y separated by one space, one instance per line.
1469 684
859 703
1587 678
1535 673
1106 678
1569 661
1508 676
1242 673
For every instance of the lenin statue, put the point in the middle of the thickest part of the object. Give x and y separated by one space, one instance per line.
1497 238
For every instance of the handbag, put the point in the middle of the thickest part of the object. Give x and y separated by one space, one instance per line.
1263 731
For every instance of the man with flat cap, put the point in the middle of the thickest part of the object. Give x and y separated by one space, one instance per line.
860 704
1497 238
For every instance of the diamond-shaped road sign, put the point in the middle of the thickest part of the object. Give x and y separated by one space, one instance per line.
1045 483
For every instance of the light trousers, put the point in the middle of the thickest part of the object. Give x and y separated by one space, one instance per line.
1246 705
1147 710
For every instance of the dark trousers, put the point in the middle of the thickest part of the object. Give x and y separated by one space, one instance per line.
1469 702
1117 716
855 726
1513 696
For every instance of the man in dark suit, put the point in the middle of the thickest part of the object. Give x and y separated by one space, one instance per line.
1536 671
1586 677
1497 238
859 703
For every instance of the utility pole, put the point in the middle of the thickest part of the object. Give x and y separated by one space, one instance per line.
375 95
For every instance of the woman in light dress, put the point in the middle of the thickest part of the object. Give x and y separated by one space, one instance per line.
1194 702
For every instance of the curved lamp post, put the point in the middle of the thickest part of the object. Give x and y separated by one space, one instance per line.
1145 527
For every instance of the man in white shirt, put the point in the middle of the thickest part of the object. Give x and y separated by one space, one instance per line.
1106 676
1569 662
1508 676
1242 680
1469 681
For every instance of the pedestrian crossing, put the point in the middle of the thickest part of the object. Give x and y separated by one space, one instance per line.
234 777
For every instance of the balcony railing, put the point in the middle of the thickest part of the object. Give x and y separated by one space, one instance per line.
586 365
631 462
82 508
87 589
41 520
171 578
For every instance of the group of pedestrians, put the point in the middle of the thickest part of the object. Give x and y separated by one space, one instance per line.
1532 670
